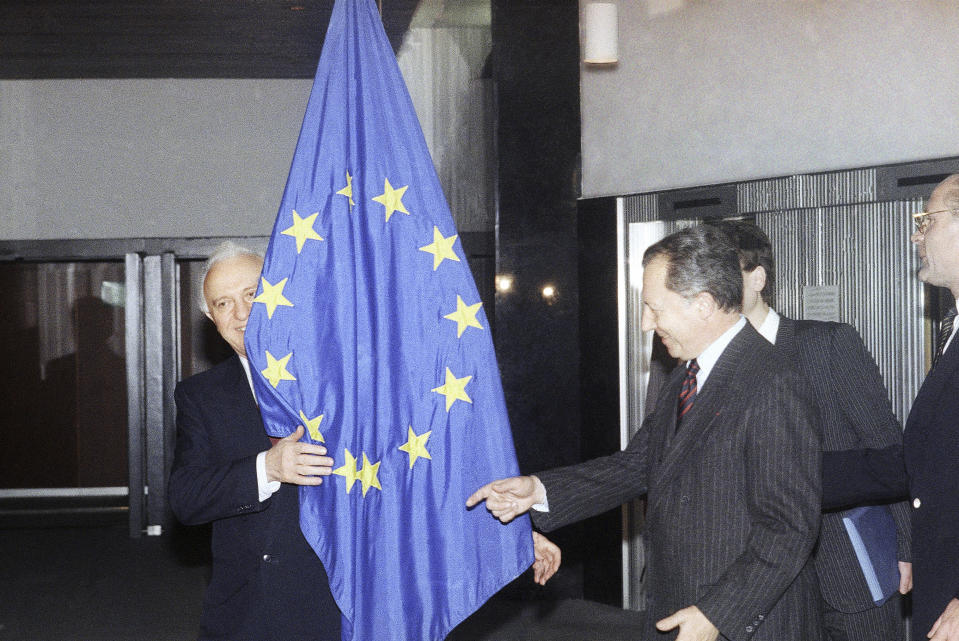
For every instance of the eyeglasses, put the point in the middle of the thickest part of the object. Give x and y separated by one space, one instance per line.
922 221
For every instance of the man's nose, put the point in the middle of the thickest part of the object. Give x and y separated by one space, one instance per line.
647 322
242 310
916 236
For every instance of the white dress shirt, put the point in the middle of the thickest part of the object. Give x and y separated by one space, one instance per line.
266 487
770 326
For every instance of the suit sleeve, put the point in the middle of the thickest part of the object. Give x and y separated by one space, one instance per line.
866 410
782 462
203 489
855 477
580 491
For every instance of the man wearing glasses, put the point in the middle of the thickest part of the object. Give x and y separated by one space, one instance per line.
931 438
930 476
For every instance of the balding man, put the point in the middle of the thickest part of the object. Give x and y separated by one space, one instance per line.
930 446
931 439
267 582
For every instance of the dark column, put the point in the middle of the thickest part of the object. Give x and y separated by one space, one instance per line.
536 72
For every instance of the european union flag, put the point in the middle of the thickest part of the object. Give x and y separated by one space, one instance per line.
370 333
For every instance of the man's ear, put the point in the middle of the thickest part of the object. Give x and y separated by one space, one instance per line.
755 280
705 304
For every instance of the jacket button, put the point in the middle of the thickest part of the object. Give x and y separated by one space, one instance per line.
916 503
749 628
267 558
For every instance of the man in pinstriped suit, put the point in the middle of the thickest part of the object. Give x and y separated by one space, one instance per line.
855 413
732 489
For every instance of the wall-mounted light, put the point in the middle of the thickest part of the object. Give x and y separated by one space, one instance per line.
549 293
504 283
600 39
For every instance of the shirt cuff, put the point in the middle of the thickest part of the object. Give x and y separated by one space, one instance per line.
544 506
265 487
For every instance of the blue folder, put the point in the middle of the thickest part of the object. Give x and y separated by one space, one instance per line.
872 533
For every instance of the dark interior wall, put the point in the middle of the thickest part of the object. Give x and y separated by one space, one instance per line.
597 270
536 72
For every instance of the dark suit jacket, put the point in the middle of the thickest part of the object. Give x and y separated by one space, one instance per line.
854 413
267 582
733 497
931 445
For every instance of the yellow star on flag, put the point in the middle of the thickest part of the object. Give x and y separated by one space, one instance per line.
272 296
302 230
348 190
454 389
367 475
313 426
465 316
392 199
415 446
276 369
441 248
348 471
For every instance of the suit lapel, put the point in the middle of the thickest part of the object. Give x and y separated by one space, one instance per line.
786 338
939 376
239 398
705 412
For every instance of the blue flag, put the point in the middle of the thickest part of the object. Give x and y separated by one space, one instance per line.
367 329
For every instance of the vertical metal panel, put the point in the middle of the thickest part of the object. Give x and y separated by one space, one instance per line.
171 355
639 225
136 415
161 367
153 377
806 191
864 250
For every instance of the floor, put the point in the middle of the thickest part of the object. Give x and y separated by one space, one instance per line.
95 583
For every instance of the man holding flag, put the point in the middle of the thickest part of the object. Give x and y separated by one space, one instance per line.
226 472
267 582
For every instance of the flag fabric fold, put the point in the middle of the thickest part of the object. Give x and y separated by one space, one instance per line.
367 329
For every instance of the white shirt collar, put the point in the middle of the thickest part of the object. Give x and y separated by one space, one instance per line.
711 354
955 326
770 326
249 377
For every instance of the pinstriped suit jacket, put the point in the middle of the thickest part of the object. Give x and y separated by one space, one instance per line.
732 497
854 413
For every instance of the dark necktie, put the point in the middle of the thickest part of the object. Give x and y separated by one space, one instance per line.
945 331
687 394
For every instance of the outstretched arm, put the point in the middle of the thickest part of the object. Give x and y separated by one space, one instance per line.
508 498
854 477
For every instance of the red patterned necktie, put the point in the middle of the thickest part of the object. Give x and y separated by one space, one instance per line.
687 394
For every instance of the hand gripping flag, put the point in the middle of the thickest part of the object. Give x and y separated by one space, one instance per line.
367 330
